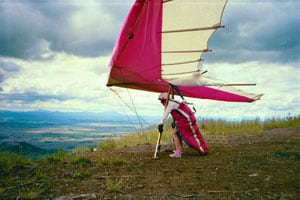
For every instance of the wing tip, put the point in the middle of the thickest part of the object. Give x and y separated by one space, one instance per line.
257 97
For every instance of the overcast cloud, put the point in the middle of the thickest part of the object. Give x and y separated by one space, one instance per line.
54 55
266 31
37 29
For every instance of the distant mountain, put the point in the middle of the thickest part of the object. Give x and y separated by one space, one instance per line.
68 117
43 130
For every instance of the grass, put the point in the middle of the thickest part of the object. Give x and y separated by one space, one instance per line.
208 127
222 127
108 144
145 138
18 166
112 162
84 162
32 179
11 163
276 122
81 175
55 157
113 185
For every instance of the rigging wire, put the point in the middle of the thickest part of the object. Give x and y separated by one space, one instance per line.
135 111
132 108
120 100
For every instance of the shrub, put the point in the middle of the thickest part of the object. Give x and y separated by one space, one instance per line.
112 185
55 157
81 175
13 163
108 144
84 162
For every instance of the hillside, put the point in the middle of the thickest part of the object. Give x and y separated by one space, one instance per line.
56 130
24 149
254 167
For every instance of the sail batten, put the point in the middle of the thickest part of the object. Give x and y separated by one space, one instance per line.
184 62
175 74
192 29
166 1
187 51
161 43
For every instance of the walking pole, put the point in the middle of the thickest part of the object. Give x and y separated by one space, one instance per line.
157 148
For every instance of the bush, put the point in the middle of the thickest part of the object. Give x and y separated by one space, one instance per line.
55 157
113 185
11 163
84 162
108 144
81 175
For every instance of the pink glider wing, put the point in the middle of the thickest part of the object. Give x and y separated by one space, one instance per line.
159 45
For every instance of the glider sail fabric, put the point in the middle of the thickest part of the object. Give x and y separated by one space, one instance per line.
187 27
161 43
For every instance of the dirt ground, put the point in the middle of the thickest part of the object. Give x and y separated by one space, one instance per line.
256 167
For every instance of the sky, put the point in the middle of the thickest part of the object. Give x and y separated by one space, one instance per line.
54 55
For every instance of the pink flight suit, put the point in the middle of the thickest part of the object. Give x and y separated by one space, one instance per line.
186 125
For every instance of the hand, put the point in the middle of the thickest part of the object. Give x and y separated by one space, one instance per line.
160 128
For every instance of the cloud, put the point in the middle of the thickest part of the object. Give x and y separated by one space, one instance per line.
64 80
8 70
278 82
30 96
266 31
34 30
54 55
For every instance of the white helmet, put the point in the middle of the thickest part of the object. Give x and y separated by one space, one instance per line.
163 95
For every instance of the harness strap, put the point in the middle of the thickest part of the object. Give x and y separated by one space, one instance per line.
196 138
181 96
178 92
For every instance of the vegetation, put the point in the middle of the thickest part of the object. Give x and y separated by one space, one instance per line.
276 122
11 163
259 168
112 162
208 127
113 185
222 127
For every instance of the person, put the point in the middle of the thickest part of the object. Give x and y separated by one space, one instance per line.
185 126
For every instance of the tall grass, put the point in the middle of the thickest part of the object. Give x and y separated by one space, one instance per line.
223 127
207 127
55 157
143 138
12 163
276 122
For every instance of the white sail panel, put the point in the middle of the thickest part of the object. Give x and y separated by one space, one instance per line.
187 27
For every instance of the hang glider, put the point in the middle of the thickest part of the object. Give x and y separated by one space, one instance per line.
161 43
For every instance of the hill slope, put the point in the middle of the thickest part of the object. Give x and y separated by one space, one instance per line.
23 148
257 167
